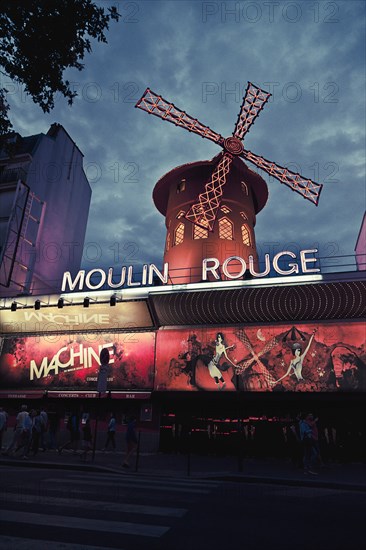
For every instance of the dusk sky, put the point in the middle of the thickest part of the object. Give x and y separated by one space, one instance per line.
199 55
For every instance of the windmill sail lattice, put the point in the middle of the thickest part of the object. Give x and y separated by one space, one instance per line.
155 105
306 187
254 101
255 357
204 211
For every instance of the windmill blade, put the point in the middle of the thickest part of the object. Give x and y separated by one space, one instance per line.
204 211
241 335
155 105
243 365
308 188
270 345
253 102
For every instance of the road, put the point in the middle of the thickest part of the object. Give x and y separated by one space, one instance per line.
76 510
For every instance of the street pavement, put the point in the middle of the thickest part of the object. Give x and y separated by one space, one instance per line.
177 501
350 476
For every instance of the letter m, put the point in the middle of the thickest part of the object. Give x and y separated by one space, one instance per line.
67 280
34 370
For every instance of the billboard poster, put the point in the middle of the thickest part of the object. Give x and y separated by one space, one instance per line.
125 315
72 361
295 358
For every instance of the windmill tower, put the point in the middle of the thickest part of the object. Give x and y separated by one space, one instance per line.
210 206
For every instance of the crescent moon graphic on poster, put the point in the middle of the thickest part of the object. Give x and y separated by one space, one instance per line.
260 335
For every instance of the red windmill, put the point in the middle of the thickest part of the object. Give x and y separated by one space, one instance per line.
204 208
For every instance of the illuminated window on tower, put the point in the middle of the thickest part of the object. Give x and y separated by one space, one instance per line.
179 234
199 232
243 215
180 214
245 235
225 209
225 229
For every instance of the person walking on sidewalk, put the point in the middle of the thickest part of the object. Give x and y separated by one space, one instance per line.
87 443
131 441
19 428
309 444
36 430
111 433
3 425
44 429
25 440
74 428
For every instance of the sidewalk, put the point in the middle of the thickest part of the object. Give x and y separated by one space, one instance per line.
273 471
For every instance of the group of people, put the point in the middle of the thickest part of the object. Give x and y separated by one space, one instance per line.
130 437
87 437
34 431
29 434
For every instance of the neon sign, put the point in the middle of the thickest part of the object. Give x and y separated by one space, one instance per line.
211 266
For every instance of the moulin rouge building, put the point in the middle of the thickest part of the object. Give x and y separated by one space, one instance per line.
217 338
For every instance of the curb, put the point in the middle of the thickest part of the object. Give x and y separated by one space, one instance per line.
232 478
318 484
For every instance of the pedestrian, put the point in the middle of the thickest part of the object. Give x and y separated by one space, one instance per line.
53 425
111 433
3 425
74 429
18 430
25 440
294 442
87 436
44 429
317 458
131 440
36 430
308 442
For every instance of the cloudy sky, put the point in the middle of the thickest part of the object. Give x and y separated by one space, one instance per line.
309 54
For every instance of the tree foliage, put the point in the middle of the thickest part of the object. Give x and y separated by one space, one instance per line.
40 39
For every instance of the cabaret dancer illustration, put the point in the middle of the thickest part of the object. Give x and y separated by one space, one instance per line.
296 363
213 365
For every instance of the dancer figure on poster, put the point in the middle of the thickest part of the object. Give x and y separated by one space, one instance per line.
296 363
213 365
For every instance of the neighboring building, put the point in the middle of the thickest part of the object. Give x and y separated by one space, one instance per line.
361 246
44 206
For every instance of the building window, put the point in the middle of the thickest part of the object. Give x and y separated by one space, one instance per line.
181 186
180 214
243 215
225 229
225 209
167 245
244 188
179 234
245 235
199 232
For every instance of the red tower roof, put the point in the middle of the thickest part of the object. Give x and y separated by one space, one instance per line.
256 182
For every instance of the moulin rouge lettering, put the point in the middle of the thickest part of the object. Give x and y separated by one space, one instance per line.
68 359
209 265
